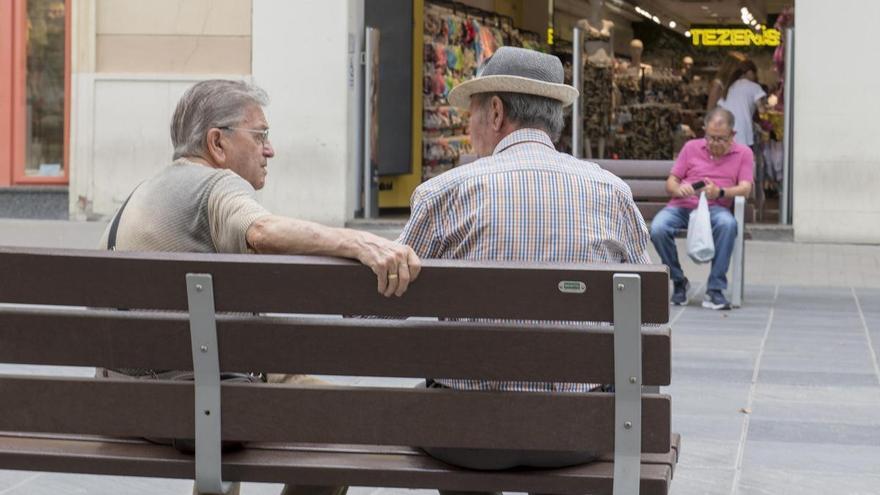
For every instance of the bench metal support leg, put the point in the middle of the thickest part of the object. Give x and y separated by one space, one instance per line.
206 370
738 259
627 383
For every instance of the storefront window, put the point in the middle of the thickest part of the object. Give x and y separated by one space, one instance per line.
45 85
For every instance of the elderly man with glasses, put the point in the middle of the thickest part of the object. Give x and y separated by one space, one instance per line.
722 169
205 202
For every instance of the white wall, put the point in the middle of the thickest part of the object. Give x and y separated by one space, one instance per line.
836 157
122 99
300 56
121 136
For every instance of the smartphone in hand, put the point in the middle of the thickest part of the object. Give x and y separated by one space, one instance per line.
698 185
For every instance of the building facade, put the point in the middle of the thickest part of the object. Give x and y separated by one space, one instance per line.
113 77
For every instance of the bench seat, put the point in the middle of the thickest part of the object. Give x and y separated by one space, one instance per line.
316 464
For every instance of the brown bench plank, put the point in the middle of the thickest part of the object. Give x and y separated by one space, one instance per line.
364 466
291 284
647 180
648 190
415 349
330 414
637 169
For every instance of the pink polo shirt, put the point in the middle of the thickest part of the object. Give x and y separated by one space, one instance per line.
695 163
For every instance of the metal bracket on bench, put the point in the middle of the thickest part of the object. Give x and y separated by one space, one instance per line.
738 258
206 371
627 383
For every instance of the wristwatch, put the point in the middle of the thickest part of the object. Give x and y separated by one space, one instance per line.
721 192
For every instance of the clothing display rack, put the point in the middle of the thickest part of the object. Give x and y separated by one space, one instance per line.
457 39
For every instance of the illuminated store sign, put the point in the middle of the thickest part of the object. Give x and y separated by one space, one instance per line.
735 37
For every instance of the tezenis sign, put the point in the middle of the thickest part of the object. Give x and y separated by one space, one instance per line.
735 37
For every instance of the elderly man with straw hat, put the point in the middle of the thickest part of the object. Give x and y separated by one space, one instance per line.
522 201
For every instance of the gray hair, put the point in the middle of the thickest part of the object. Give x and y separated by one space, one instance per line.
529 111
720 113
213 103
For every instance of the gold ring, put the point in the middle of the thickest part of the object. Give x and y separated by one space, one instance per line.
392 276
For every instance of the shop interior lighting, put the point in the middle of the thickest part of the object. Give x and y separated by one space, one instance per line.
749 19
644 12
648 15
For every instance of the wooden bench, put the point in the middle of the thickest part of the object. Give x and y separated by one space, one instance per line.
213 318
647 180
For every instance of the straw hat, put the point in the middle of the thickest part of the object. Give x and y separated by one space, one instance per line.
517 70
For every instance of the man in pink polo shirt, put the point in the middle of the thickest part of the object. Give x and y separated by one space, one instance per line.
725 169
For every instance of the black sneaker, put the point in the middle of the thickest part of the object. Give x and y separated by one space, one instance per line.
680 292
715 300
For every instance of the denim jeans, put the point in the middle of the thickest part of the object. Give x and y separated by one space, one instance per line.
672 219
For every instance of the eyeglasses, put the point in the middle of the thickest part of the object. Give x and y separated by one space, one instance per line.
718 139
262 134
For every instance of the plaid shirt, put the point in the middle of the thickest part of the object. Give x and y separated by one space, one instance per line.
526 202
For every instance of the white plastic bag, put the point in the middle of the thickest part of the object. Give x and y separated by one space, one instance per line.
700 245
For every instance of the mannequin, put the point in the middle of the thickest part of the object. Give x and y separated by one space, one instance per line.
636 67
599 42
596 27
687 69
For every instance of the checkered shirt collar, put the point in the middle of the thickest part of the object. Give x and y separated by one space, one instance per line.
521 136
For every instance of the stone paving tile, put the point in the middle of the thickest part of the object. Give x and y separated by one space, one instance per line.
37 370
55 483
790 431
824 347
811 321
704 453
699 314
869 299
815 378
829 395
776 482
721 329
815 300
744 343
815 457
817 412
391 491
780 360
702 482
721 358
710 375
783 330
697 399
10 480
722 427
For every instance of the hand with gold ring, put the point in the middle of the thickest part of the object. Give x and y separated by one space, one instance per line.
395 264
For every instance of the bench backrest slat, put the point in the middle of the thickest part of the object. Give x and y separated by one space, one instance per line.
331 346
637 169
332 414
291 284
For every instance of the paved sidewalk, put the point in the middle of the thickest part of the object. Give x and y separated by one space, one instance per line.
778 397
